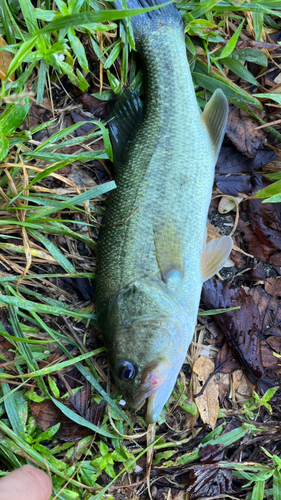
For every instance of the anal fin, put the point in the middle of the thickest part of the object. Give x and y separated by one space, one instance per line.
214 256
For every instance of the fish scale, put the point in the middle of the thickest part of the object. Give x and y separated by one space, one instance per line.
150 247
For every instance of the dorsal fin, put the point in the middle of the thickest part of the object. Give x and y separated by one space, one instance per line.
215 117
127 114
214 256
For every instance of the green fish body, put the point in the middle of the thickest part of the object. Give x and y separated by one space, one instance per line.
152 257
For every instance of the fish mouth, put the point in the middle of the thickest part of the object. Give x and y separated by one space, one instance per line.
143 395
152 379
157 384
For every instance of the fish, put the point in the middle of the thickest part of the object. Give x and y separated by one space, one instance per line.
152 251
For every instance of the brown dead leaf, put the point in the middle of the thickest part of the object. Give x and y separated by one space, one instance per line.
237 255
208 403
253 244
46 415
95 106
81 117
272 286
213 232
265 221
260 224
241 131
226 362
259 313
242 387
50 360
205 480
269 361
223 382
234 168
80 178
38 114
5 345
6 58
275 343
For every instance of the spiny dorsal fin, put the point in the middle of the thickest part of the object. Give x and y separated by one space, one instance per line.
215 117
214 256
169 255
127 114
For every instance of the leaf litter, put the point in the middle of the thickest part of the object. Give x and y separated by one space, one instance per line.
210 443
46 415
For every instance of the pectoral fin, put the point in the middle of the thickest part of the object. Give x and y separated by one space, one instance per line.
214 256
215 117
169 254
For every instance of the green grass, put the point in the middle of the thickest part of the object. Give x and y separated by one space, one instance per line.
41 228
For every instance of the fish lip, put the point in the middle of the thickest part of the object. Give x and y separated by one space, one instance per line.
143 395
158 398
153 378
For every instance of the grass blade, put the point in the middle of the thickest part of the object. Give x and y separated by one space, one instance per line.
82 421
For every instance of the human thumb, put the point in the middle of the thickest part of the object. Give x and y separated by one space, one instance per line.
26 483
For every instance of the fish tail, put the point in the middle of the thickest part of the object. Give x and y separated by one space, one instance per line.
151 21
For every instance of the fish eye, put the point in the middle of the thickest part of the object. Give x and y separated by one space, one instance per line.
127 370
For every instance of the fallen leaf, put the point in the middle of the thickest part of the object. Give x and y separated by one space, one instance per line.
265 220
5 345
233 169
234 185
80 178
269 361
208 403
6 58
226 362
272 286
231 161
223 382
206 481
227 204
241 130
4 320
242 387
94 105
50 360
275 343
253 244
259 313
261 227
277 79
38 114
213 232
211 454
236 255
83 287
86 127
47 414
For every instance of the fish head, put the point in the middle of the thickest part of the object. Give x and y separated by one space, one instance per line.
147 368
147 350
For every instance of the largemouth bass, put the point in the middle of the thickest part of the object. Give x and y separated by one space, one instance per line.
152 256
